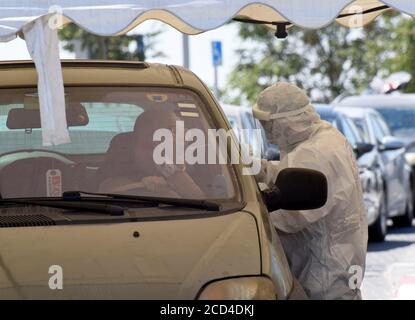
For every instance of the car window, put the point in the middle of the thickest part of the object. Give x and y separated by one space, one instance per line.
348 132
233 122
327 117
363 129
356 132
377 128
120 139
235 126
253 134
385 129
105 121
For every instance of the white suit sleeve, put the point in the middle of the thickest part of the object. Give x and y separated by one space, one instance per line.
268 174
291 221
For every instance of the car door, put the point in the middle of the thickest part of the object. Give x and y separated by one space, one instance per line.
394 163
348 129
370 174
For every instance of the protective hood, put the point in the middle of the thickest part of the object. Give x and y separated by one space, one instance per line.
287 115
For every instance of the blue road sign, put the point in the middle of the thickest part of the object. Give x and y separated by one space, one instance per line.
217 53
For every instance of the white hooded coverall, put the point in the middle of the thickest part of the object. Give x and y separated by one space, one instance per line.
326 247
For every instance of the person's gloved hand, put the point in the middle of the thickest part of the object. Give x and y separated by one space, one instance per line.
272 172
268 174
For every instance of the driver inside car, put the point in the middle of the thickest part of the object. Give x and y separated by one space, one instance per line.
130 167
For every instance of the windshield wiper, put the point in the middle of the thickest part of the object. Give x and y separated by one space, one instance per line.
62 204
187 203
72 200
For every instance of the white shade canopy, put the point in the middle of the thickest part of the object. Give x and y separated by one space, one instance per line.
38 20
111 17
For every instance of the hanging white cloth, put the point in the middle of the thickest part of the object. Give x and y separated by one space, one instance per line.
43 45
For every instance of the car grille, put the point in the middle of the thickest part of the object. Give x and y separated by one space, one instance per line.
27 220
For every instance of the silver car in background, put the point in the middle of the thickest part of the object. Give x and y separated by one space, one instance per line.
390 151
398 111
369 170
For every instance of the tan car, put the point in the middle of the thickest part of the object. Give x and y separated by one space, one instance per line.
102 217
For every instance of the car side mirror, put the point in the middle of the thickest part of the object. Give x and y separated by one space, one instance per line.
391 143
362 147
297 189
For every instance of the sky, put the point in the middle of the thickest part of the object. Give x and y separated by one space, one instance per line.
170 43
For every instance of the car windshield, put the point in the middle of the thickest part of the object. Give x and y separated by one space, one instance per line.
123 141
401 121
327 117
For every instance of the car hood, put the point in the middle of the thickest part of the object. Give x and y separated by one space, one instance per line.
170 259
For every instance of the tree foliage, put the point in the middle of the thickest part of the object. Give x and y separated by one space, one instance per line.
125 47
327 62
398 34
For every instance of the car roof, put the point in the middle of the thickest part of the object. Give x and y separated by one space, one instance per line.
355 112
101 72
380 101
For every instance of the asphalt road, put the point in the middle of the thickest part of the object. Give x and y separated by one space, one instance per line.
390 266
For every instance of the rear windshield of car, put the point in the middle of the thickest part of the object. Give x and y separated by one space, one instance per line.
112 148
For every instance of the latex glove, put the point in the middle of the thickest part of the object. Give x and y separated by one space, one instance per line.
268 174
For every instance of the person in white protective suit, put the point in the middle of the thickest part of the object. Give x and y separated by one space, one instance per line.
326 247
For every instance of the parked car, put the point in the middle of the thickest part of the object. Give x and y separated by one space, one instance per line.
244 124
398 111
369 170
390 154
57 226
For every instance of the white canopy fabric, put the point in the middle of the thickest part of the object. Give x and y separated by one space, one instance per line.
110 17
38 20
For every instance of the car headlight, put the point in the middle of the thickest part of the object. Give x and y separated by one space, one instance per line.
246 288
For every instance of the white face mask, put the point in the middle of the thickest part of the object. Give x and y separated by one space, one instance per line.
289 131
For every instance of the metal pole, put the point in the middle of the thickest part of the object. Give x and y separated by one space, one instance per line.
186 51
